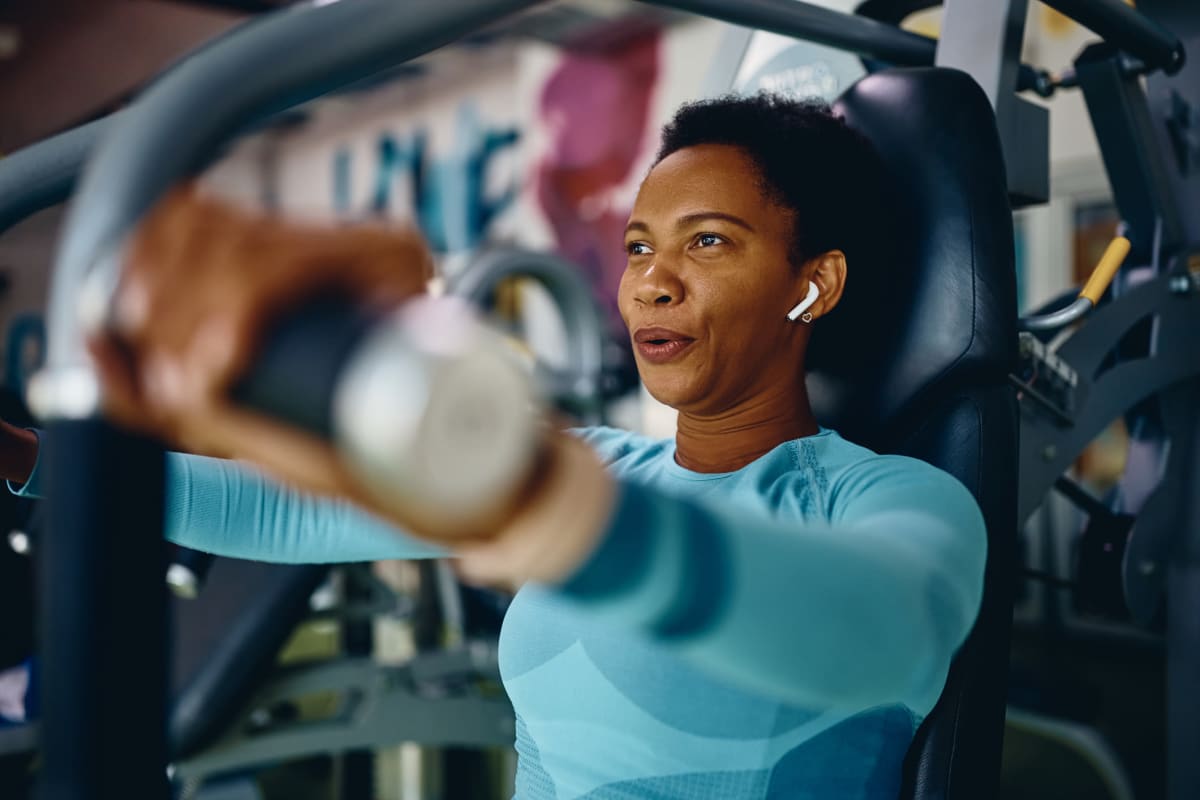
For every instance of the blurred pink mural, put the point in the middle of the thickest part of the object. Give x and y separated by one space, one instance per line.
596 109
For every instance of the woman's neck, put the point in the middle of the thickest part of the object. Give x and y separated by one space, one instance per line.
749 430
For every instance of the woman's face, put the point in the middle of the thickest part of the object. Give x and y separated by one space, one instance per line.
708 284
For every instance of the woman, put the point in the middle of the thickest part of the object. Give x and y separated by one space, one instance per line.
757 608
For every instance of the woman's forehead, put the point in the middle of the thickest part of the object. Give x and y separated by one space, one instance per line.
716 177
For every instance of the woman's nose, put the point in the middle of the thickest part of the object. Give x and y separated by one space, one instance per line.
658 285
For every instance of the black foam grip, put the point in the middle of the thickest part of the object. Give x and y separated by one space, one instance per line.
295 375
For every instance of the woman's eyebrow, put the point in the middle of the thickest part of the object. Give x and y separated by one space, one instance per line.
702 216
688 220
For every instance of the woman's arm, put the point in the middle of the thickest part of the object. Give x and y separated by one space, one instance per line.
223 507
219 506
864 611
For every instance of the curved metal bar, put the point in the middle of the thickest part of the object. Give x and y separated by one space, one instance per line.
585 327
1127 28
813 23
1057 319
253 72
44 174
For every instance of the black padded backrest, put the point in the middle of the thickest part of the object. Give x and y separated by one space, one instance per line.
936 385
952 317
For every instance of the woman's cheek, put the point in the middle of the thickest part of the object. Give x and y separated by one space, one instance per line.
624 297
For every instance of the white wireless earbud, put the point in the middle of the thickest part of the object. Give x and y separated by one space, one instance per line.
801 309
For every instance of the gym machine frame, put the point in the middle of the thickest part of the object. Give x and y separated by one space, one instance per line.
434 698
103 624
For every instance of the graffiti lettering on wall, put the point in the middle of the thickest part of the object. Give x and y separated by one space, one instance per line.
594 113
447 195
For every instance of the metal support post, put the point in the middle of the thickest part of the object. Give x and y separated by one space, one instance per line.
103 616
983 38
1136 165
1183 636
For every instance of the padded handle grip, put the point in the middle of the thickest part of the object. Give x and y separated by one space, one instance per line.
296 373
425 404
1106 269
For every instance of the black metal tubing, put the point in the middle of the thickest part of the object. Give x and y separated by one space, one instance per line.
255 71
1080 498
861 35
1174 99
44 174
1183 668
1127 28
102 608
1115 21
855 34
1125 130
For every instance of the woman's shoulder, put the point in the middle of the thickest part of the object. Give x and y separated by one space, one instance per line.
829 461
843 456
856 473
613 444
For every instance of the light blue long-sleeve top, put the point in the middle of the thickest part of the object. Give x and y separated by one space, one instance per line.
777 631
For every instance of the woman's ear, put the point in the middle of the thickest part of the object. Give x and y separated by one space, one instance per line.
828 271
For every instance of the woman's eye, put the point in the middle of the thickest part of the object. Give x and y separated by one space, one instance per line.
637 249
708 240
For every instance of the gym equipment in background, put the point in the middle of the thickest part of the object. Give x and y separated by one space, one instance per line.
121 185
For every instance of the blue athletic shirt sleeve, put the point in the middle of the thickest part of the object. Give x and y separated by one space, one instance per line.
220 506
863 608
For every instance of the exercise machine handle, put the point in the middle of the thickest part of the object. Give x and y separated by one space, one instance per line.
427 406
1089 296
1114 256
296 373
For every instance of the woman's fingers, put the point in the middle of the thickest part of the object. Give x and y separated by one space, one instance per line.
122 398
552 529
203 282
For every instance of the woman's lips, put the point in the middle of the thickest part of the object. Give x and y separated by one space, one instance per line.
660 345
662 353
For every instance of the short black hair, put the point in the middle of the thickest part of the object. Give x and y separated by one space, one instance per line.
811 162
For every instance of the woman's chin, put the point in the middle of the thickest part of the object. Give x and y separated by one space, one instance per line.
676 394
